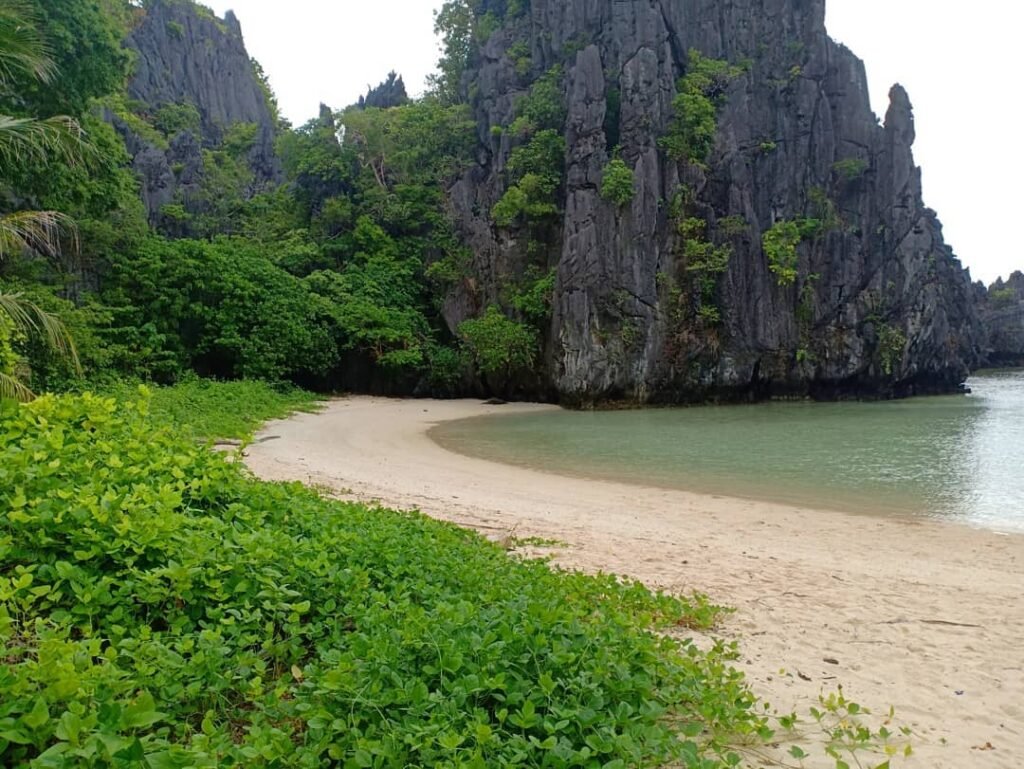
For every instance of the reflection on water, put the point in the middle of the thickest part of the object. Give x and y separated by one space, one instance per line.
957 458
993 494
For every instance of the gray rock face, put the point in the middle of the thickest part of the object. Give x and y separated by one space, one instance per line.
389 93
1002 312
881 306
185 55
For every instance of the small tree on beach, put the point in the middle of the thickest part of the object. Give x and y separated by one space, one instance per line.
500 348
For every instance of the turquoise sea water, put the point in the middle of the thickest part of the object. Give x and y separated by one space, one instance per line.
959 458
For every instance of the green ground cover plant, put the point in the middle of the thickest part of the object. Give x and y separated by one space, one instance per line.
206 409
159 607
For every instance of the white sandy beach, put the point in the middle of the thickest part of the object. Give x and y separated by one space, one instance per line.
923 616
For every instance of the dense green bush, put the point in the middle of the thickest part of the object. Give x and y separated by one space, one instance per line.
172 119
159 608
8 357
535 297
223 309
84 40
701 92
849 169
499 347
375 301
47 367
617 182
780 246
535 170
543 155
532 200
543 107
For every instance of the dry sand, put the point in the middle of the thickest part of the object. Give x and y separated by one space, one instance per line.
923 616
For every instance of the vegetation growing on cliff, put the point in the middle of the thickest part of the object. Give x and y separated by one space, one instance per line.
462 25
892 343
701 93
780 246
706 262
849 169
343 227
617 182
536 166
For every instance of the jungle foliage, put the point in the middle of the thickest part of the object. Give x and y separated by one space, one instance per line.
323 280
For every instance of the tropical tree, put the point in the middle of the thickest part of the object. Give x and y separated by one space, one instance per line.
23 54
19 315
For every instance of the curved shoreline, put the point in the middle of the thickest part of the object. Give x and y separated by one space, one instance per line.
921 615
740 498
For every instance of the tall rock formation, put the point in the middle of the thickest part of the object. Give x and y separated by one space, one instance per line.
877 304
1002 312
195 86
389 93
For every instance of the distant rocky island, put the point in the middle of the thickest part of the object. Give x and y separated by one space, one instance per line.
1002 315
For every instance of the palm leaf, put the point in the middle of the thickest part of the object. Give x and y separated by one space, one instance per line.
26 139
22 49
13 389
33 319
40 231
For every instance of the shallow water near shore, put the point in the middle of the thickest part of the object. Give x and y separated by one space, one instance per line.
956 458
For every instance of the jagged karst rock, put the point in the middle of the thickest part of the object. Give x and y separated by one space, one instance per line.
187 56
881 306
390 93
1002 312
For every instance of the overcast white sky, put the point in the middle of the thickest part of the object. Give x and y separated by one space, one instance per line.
961 63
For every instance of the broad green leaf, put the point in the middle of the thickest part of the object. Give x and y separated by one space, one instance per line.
36 718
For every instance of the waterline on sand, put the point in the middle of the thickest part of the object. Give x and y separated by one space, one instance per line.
954 459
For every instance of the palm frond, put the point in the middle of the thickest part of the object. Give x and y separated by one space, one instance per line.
54 139
12 388
42 231
22 48
33 319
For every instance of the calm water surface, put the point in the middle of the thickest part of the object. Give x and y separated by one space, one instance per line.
956 458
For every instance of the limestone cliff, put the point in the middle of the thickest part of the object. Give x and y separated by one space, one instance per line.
878 305
194 83
1002 312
